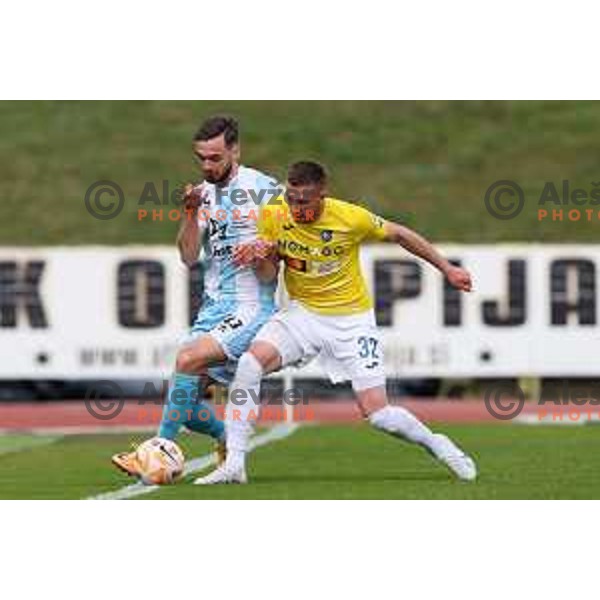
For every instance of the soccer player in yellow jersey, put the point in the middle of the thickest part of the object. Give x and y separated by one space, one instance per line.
330 314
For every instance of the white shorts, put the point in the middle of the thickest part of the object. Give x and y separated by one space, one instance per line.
348 347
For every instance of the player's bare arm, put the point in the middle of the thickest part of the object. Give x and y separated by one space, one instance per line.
416 244
266 261
189 236
262 256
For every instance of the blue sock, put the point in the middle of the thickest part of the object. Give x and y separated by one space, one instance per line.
204 420
183 407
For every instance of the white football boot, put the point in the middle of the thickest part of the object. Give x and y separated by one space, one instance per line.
459 463
223 475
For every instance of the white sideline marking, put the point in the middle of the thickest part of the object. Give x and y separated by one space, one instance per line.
278 432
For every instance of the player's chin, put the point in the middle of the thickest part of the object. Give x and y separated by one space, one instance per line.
212 177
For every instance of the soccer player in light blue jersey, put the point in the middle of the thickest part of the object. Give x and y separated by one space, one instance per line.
237 301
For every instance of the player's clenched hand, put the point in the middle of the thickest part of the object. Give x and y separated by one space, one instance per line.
264 250
459 278
193 196
248 254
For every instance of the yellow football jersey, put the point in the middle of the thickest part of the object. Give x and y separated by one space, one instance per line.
322 264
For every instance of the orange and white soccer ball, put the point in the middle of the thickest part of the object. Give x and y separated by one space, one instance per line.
160 461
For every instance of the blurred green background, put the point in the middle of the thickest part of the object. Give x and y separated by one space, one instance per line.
424 163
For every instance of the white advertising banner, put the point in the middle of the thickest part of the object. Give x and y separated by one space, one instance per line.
103 312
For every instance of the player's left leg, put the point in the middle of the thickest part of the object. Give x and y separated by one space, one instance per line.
185 404
359 353
401 423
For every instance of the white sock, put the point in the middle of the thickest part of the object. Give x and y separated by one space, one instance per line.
399 422
241 415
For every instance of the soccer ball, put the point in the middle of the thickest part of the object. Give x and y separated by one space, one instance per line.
160 461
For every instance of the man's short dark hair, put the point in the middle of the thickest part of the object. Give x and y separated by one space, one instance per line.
306 172
217 125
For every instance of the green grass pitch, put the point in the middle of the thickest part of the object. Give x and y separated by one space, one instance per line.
328 462
426 164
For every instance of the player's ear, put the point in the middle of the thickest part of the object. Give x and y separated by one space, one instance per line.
236 152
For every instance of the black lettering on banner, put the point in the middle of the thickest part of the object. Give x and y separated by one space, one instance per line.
21 288
394 280
141 294
566 296
516 301
90 357
452 310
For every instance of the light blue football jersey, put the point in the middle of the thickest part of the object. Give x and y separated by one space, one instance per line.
230 217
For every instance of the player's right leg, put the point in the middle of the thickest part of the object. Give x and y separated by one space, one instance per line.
241 414
277 345
184 404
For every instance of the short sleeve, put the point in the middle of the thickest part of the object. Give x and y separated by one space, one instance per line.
268 189
369 226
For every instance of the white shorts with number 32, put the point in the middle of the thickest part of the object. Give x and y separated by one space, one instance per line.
348 347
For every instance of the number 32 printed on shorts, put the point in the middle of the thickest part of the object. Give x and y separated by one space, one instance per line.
368 349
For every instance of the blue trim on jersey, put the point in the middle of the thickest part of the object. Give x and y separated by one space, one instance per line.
222 276
229 278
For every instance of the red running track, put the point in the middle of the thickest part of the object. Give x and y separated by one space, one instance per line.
74 417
